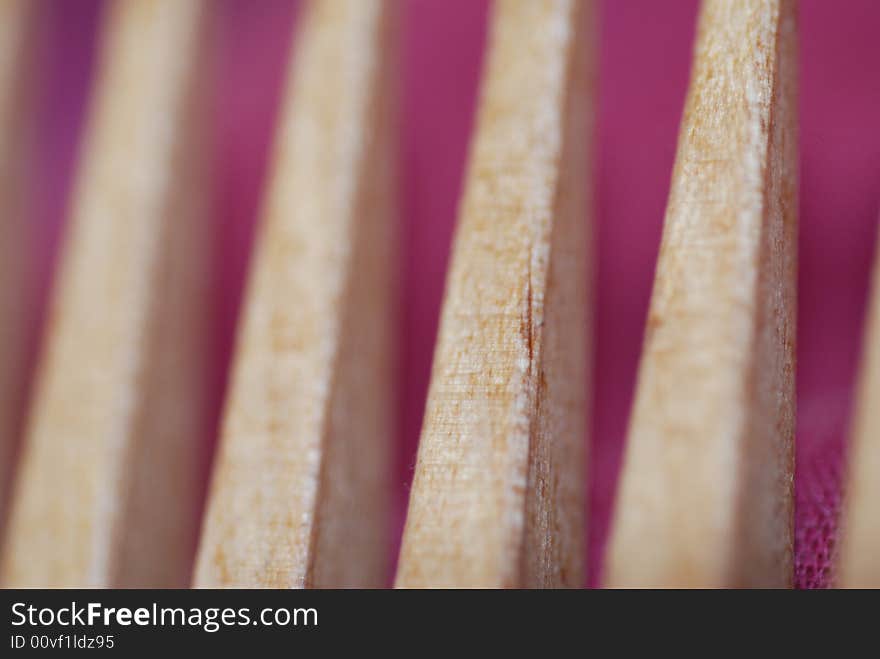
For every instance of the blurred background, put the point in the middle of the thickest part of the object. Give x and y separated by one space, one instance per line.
644 53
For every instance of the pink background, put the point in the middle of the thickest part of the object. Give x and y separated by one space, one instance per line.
644 48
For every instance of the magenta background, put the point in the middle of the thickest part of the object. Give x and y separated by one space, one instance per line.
644 52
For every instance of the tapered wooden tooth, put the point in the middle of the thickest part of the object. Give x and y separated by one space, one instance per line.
497 497
17 109
301 492
706 489
860 553
109 492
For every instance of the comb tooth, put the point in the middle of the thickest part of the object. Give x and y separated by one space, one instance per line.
706 488
497 498
17 21
109 491
859 564
300 494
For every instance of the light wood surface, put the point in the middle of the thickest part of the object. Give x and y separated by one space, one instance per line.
497 498
109 491
301 487
17 109
860 553
705 496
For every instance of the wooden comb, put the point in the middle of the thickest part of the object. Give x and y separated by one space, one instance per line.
110 486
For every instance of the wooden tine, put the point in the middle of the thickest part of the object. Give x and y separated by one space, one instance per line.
301 494
109 492
706 489
17 27
860 551
497 497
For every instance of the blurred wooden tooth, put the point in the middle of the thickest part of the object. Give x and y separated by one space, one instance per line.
301 492
18 19
706 489
860 552
109 490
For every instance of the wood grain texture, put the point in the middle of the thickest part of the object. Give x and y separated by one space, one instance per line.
301 491
860 550
18 30
706 489
497 497
109 490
